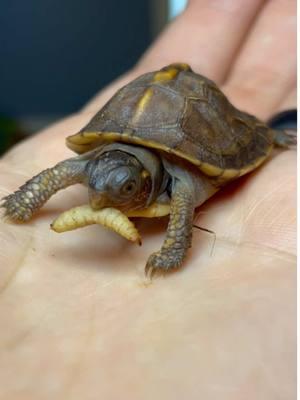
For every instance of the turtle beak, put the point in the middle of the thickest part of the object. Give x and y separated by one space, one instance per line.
97 200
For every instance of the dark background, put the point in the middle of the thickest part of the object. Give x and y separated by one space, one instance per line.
56 54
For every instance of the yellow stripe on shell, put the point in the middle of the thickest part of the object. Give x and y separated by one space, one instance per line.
181 66
166 75
141 105
170 72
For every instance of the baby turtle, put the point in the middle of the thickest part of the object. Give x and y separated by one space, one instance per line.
169 136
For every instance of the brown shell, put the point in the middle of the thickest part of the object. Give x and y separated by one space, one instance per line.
184 113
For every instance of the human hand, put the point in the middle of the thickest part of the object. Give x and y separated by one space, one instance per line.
79 320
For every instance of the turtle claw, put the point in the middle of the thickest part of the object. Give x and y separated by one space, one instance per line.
149 271
13 210
151 268
159 264
152 272
2 200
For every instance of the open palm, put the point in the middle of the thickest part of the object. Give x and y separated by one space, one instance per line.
78 318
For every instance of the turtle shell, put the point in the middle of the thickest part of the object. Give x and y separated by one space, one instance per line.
180 112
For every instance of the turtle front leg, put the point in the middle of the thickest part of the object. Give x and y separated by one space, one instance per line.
30 197
189 189
179 233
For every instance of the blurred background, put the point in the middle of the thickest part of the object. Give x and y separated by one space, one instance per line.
56 54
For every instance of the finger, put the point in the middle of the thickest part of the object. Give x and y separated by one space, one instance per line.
265 70
207 35
290 101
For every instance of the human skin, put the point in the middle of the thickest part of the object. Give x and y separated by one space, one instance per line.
78 318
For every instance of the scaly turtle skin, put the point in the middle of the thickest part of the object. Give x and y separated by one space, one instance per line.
169 136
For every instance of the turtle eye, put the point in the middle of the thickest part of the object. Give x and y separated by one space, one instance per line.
122 183
129 188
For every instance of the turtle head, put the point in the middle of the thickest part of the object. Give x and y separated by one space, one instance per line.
118 179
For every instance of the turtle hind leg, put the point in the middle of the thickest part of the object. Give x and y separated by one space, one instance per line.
285 138
30 197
